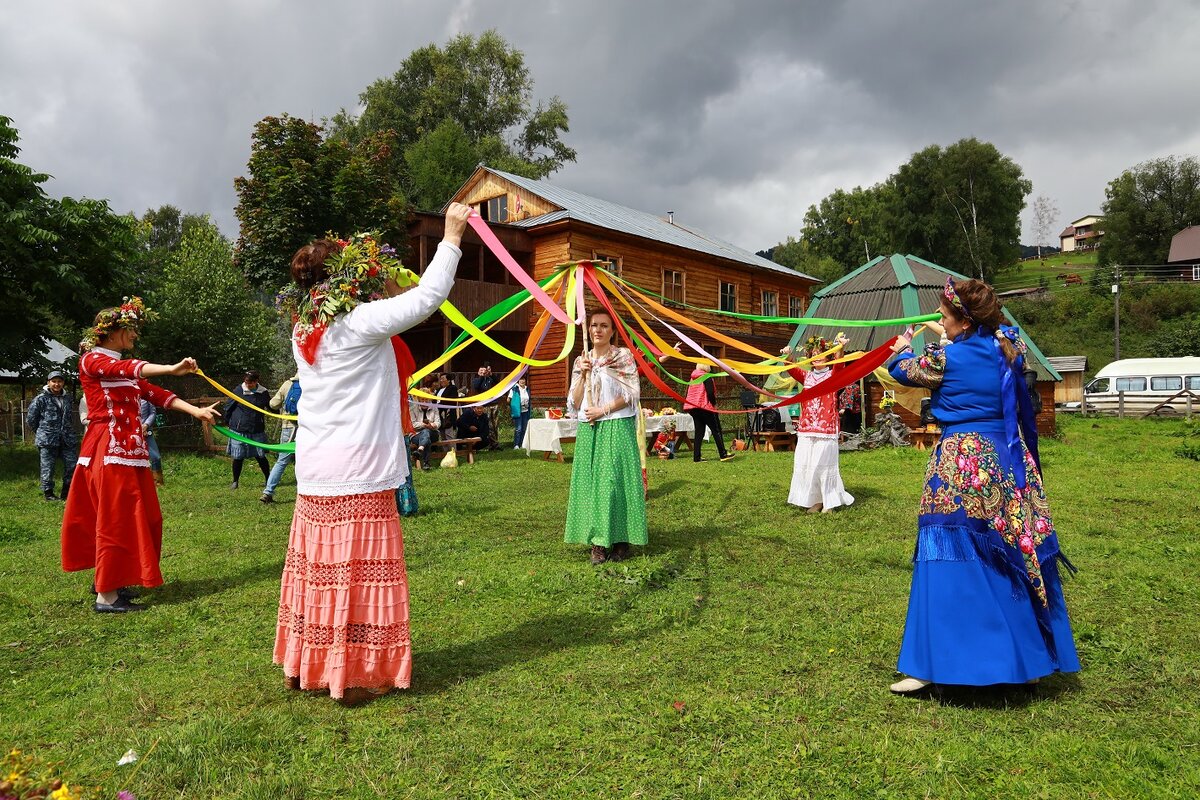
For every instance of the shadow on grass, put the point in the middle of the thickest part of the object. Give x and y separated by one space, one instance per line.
173 592
1003 695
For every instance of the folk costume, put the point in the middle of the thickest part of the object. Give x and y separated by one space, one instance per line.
607 501
816 478
112 521
986 604
343 606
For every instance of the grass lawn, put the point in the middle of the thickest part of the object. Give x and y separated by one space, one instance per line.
745 653
1025 274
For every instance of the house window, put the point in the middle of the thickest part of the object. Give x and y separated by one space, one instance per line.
795 306
1196 272
1131 384
495 210
770 303
728 296
614 261
672 288
1166 383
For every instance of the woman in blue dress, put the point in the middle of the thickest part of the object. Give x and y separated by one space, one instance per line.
986 605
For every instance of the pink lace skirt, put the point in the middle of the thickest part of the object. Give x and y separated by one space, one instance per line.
343 604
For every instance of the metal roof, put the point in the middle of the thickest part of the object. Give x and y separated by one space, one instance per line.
1185 245
1068 363
888 287
612 216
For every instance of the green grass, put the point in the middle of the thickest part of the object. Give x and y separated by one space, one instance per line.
746 653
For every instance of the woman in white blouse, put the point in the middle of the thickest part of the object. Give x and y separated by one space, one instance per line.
343 606
607 504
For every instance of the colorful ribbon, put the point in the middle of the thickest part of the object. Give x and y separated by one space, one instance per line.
286 447
233 396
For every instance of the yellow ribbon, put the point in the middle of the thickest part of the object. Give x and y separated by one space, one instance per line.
233 396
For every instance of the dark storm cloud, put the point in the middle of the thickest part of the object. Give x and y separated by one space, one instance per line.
735 115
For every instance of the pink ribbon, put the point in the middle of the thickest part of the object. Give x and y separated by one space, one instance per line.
485 233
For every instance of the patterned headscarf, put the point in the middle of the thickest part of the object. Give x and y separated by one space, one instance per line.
953 299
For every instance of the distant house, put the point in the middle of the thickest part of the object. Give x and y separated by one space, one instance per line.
1072 368
890 287
1185 253
543 226
1084 233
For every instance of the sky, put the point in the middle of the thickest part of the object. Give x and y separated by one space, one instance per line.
736 116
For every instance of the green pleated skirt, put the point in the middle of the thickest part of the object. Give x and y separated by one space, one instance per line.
607 503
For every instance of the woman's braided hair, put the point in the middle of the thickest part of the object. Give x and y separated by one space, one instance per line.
983 310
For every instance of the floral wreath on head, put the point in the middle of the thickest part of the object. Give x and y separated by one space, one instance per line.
356 273
815 345
131 314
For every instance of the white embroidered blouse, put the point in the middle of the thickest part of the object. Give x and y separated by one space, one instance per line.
613 377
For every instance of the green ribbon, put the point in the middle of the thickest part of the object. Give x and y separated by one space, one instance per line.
286 447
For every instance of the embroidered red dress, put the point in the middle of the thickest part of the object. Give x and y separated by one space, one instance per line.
112 520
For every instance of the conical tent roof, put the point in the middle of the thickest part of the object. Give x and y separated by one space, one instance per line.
889 287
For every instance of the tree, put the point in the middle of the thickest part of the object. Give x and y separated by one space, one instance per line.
1146 206
207 310
480 86
60 260
960 206
302 185
798 254
1045 214
849 227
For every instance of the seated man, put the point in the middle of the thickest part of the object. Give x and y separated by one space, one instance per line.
472 423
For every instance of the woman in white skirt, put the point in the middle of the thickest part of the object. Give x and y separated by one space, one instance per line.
816 480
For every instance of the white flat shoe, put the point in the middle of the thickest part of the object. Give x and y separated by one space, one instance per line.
909 685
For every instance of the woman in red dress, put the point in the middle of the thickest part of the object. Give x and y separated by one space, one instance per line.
112 520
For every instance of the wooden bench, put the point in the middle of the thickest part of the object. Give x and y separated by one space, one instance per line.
770 441
457 445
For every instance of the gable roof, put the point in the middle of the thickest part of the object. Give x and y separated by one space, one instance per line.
614 217
1185 245
888 287
1067 231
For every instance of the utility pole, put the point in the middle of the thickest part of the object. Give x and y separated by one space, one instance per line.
1116 290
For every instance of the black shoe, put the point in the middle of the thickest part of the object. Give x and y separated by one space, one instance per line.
727 457
122 605
619 552
127 592
599 554
266 498
49 495
66 490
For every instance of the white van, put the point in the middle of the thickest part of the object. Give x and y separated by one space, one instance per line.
1145 383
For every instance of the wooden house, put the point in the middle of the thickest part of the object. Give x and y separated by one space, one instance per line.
1072 369
896 286
544 226
1185 254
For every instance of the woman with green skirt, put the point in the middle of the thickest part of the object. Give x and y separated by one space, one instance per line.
607 505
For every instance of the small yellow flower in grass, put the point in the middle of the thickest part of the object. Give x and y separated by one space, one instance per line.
14 776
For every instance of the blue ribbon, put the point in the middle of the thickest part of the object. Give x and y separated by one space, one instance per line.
1018 409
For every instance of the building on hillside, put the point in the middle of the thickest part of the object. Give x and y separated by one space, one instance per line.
891 287
1084 233
1072 369
1185 254
544 226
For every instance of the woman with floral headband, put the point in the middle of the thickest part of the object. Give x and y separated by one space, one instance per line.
986 605
816 479
343 604
112 520
606 507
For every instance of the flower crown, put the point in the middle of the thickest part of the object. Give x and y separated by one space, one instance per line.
131 314
953 299
815 345
356 274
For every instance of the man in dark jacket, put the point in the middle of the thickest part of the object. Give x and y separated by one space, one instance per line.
472 423
249 423
50 418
